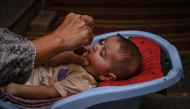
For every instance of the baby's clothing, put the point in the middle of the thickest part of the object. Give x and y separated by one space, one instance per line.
67 79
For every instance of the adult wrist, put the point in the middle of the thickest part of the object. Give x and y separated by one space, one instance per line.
61 43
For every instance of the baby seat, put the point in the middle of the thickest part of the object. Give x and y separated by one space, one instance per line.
127 94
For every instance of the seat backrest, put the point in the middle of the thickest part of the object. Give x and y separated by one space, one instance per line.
127 95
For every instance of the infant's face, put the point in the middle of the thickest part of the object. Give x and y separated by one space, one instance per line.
101 55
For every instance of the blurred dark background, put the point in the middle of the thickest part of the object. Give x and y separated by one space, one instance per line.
169 19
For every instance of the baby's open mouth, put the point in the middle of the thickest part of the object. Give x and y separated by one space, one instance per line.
86 53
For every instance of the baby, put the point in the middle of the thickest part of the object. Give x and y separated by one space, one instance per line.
115 58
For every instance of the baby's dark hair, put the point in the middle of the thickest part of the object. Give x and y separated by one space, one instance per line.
130 61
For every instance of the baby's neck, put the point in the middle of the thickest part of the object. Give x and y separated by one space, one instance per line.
90 72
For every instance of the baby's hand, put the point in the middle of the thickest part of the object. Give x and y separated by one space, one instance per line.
12 88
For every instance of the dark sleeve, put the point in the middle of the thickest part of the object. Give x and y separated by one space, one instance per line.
17 56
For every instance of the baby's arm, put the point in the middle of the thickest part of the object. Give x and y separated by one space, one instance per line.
33 92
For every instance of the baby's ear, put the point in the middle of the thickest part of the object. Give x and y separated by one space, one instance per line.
107 77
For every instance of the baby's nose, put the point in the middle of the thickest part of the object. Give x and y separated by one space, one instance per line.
96 47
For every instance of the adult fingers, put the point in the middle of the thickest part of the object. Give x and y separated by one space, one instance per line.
91 35
89 21
81 60
70 14
81 50
88 32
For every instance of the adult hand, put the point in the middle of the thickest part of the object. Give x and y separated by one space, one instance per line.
75 31
69 57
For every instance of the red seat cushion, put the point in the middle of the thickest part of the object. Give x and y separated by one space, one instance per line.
151 67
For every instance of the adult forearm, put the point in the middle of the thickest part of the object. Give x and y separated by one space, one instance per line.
46 48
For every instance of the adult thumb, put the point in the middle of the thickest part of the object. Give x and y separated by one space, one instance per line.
81 60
